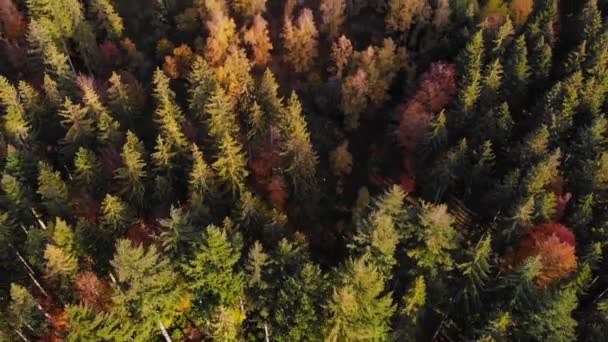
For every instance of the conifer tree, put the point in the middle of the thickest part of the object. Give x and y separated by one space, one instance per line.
200 182
203 84
115 214
121 99
168 114
87 169
413 307
517 71
88 325
301 157
163 161
178 231
108 17
132 174
378 235
24 312
235 77
108 129
477 272
359 308
60 264
471 62
147 294
300 41
437 238
231 164
267 94
16 125
214 279
80 127
52 189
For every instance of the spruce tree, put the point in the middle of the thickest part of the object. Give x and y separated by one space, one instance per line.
52 189
147 293
359 307
214 278
297 148
87 169
132 174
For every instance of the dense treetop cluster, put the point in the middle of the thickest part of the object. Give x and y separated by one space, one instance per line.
303 170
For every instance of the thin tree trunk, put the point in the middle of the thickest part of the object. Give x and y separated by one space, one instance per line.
30 271
164 331
267 336
21 335
42 225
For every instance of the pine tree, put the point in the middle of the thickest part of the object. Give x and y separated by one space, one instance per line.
168 114
60 263
378 235
471 62
107 17
214 279
436 238
413 307
203 84
517 72
231 164
300 41
359 308
108 129
115 213
24 312
16 124
87 169
178 232
221 118
267 94
80 125
121 100
164 162
147 292
235 76
52 189
200 182
301 157
132 174
555 323
477 272
88 325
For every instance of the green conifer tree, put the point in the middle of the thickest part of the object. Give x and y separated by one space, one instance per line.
359 307
132 174
52 189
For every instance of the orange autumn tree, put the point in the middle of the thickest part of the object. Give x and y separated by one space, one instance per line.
258 39
555 245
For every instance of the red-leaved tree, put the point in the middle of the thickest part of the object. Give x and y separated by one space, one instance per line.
437 88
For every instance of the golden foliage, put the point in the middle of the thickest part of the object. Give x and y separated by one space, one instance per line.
301 41
258 39
341 160
555 245
520 10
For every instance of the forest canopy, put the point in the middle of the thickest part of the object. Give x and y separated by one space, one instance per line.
303 170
